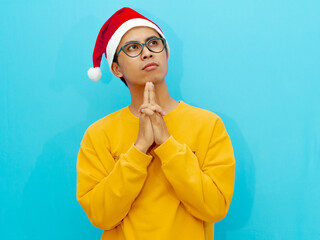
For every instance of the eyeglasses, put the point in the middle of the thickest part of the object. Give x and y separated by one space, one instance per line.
134 49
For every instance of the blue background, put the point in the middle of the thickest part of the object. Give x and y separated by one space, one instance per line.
254 63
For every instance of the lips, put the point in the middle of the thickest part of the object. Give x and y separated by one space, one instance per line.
150 66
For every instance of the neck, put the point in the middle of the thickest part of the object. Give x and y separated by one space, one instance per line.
164 100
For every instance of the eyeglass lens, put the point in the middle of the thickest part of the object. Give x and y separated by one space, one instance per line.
134 49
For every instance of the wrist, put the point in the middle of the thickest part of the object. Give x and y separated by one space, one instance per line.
141 147
164 139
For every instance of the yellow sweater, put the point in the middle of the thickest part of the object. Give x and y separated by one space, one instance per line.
175 191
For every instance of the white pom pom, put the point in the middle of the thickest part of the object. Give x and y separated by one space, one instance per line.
94 74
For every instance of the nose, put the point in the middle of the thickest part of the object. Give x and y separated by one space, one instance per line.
146 53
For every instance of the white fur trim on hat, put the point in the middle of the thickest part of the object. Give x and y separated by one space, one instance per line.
94 74
126 26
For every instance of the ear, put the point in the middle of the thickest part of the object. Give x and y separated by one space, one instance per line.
167 55
116 69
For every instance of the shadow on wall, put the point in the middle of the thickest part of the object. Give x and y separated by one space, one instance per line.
49 209
244 189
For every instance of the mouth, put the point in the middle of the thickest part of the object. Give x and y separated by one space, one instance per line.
150 66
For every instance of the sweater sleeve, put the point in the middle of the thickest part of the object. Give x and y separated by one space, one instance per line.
107 188
205 191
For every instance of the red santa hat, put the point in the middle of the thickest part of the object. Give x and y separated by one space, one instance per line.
111 33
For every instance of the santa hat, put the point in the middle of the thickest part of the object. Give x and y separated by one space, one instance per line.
111 33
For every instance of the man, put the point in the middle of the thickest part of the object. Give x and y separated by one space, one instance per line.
158 168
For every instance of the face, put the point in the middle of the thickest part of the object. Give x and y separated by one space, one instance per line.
135 70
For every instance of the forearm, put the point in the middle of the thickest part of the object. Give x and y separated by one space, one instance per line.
108 200
206 193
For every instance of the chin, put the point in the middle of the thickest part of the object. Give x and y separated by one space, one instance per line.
159 77
155 77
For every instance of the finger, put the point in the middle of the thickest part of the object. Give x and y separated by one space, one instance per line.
151 107
156 118
152 94
147 111
155 108
158 109
146 93
145 105
143 116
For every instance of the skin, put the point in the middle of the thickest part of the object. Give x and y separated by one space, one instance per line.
150 98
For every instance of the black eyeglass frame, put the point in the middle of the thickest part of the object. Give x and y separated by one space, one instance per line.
142 45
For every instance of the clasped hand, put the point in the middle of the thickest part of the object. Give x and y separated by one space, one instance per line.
152 127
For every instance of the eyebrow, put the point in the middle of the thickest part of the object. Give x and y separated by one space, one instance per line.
151 37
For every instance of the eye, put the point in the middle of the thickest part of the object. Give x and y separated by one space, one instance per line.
132 47
154 42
